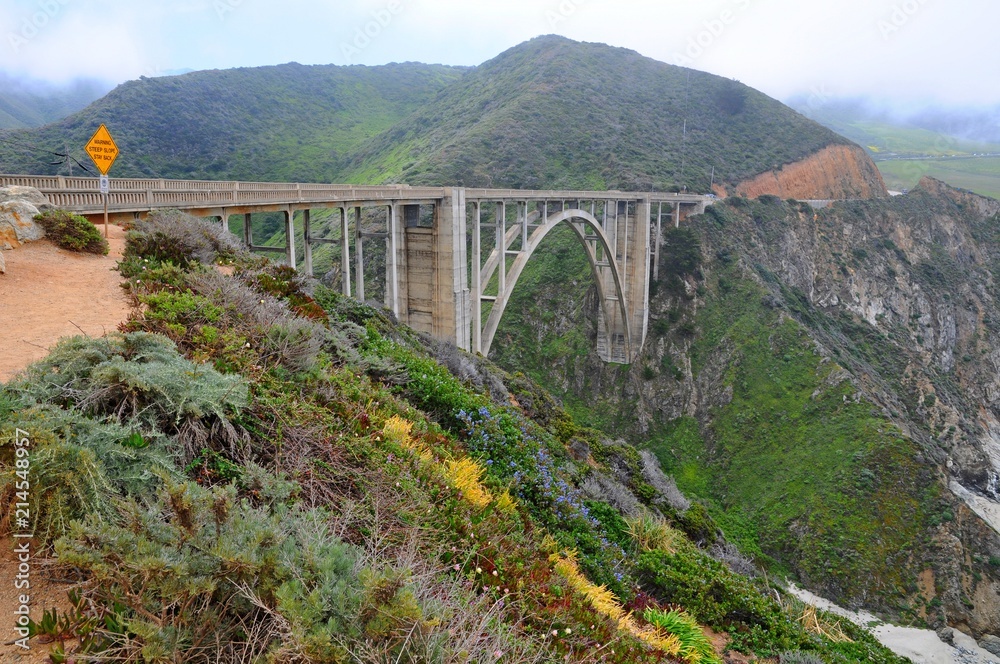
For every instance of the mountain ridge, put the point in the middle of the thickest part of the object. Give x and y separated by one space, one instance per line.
548 113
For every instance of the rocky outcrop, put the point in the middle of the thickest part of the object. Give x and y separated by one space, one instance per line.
835 172
18 207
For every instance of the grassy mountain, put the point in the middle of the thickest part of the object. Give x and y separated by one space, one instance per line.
258 469
286 123
548 113
557 113
823 379
27 104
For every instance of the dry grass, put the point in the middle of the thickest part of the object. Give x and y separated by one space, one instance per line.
464 474
652 533
816 624
606 603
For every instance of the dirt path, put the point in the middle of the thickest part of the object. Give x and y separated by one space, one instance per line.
49 293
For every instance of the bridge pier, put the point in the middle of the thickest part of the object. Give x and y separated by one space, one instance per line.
290 237
359 256
429 274
345 254
247 231
307 257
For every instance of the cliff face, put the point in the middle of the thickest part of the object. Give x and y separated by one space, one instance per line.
836 171
831 377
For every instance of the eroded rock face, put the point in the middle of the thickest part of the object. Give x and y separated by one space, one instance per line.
990 643
835 172
18 207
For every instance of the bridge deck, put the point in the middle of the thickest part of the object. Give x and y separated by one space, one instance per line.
134 195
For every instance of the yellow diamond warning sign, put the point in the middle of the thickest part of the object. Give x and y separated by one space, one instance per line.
102 149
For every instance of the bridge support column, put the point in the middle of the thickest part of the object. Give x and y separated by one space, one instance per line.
247 231
436 299
345 255
455 290
359 255
620 339
395 260
658 241
307 259
477 281
290 238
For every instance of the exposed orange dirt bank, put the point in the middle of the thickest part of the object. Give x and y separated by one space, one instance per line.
836 171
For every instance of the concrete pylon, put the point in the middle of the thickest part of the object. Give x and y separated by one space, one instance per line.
432 271
621 332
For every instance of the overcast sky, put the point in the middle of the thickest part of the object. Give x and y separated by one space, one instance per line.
907 51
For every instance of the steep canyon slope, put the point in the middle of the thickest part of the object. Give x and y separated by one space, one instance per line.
825 380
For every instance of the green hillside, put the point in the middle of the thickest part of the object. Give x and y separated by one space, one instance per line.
557 113
250 473
978 174
286 123
25 105
548 113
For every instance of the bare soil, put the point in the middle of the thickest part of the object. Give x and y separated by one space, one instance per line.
49 293
45 592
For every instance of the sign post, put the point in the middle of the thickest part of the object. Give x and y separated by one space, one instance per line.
103 151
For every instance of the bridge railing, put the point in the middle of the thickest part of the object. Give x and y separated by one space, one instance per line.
82 194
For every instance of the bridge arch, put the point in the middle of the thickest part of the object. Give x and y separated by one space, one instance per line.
604 268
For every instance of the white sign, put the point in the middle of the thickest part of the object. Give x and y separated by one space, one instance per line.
105 184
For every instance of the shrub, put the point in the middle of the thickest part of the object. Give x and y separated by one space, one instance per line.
719 598
157 573
140 379
651 533
71 231
78 466
295 343
177 237
606 603
799 657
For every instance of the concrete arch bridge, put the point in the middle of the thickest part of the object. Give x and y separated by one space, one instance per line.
453 255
